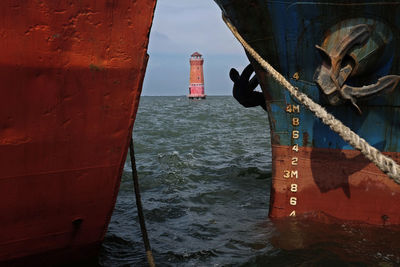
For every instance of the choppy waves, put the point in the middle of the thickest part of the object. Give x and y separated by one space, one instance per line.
205 175
205 170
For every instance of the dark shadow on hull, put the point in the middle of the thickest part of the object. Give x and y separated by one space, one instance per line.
331 169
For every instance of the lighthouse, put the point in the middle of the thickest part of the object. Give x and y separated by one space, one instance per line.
196 86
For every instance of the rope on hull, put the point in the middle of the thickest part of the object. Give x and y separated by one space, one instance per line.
384 163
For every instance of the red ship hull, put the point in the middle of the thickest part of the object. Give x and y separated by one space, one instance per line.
319 194
71 77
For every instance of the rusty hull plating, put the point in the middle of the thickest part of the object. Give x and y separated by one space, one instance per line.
344 55
71 77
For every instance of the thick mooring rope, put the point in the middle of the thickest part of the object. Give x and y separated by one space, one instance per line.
384 163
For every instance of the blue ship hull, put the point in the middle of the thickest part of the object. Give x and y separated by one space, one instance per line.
315 172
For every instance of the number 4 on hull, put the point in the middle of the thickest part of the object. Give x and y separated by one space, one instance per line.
295 148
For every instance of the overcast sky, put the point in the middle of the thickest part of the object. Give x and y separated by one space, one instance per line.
181 27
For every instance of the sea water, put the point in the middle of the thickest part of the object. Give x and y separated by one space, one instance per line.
204 168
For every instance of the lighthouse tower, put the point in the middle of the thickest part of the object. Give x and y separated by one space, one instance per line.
196 86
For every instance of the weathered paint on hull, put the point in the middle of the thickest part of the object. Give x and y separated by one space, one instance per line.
333 179
71 74
333 183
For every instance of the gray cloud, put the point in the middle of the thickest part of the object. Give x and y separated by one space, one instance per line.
180 28
190 25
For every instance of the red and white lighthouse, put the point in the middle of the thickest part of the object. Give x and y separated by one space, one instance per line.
196 87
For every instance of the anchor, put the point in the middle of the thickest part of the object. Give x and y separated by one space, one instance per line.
338 65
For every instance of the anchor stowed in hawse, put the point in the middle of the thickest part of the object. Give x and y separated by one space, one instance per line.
343 58
338 64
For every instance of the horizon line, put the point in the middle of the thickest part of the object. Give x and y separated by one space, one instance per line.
183 95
